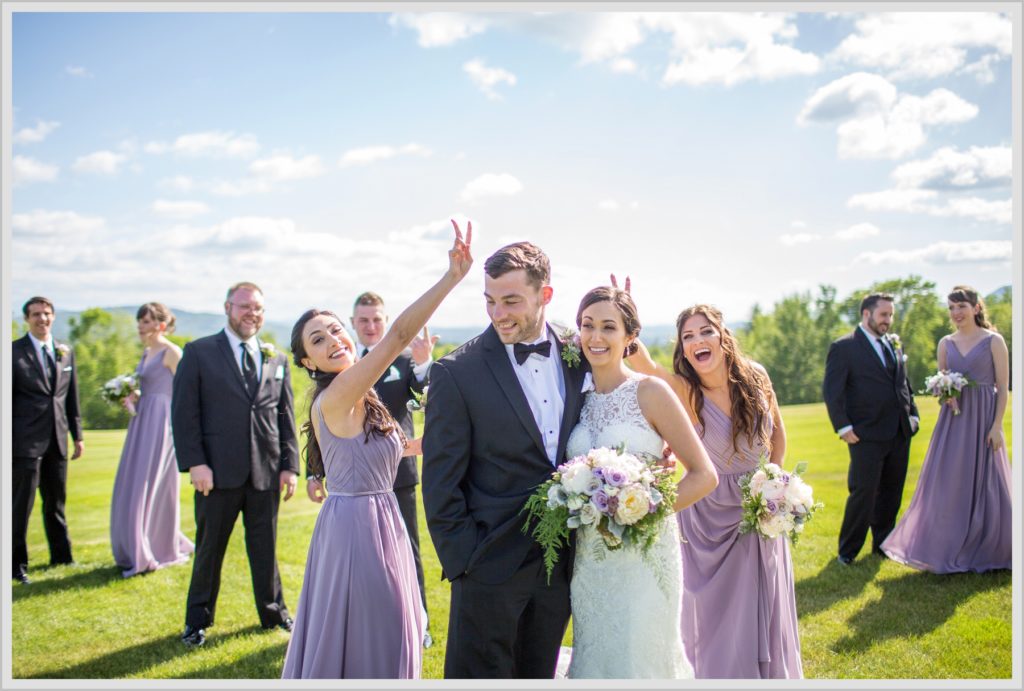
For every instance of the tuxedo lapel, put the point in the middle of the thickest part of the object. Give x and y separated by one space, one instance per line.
497 360
58 366
869 351
266 373
37 367
224 345
573 378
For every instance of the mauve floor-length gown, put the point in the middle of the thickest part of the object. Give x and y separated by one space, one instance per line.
960 518
145 532
739 616
360 615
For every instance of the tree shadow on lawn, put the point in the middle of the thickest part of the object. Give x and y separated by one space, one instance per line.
915 604
263 664
835 582
92 578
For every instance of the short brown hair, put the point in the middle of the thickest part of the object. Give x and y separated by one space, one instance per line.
158 312
37 300
520 255
243 284
869 301
368 299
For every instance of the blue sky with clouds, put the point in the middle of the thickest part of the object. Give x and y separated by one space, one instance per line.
731 158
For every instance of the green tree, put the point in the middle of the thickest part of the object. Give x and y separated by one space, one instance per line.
1000 314
788 345
106 345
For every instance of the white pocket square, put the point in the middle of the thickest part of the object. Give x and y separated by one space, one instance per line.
393 375
279 374
68 368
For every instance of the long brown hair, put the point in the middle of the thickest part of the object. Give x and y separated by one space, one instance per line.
378 421
749 389
620 300
970 296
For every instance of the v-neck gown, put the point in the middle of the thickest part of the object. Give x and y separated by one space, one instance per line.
960 516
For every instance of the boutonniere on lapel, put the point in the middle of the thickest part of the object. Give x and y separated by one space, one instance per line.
897 345
570 347
62 350
268 350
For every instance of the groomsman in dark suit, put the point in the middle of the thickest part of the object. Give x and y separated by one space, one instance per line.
498 418
44 408
407 374
234 433
871 406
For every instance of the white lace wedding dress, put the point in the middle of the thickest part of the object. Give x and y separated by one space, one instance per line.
625 604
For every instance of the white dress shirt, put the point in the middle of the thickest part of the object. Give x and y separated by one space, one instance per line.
38 345
544 385
254 349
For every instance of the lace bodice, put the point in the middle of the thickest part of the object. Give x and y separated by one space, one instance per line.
614 418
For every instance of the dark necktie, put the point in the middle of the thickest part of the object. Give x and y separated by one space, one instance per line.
363 354
890 362
248 370
51 366
522 351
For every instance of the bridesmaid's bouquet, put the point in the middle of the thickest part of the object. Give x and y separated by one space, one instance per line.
947 385
119 389
776 502
625 498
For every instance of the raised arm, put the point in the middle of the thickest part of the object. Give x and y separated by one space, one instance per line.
663 410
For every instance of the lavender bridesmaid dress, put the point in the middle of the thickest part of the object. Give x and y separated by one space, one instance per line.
960 516
739 608
144 509
360 615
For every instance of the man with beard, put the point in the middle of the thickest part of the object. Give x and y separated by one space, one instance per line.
871 406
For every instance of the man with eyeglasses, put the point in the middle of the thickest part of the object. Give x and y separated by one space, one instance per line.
234 433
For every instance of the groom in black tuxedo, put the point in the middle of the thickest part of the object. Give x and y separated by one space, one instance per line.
44 408
499 414
872 409
234 433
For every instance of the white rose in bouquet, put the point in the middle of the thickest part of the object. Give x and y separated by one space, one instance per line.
634 504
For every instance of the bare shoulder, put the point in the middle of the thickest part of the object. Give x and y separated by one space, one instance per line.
998 343
653 391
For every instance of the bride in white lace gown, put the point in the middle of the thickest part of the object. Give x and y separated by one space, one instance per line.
626 603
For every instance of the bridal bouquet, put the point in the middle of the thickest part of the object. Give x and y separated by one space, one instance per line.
776 502
120 388
947 385
623 496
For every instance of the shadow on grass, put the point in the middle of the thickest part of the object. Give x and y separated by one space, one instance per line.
834 583
78 577
263 664
913 605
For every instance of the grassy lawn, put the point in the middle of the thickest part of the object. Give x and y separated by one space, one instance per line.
873 619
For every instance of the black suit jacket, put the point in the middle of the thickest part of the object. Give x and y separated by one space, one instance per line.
393 387
39 411
483 456
216 424
859 390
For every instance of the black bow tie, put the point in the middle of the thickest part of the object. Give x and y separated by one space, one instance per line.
522 351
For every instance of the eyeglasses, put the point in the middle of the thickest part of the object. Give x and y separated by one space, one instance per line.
248 307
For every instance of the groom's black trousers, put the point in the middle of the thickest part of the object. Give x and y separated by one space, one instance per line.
875 482
508 630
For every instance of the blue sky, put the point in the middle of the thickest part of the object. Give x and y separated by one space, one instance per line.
731 158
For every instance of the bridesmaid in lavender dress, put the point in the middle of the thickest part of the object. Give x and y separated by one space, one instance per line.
144 509
960 517
739 617
360 614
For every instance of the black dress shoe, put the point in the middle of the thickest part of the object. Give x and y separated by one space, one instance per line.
193 637
287 624
22 578
845 561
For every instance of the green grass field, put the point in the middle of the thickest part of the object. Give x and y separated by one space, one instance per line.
872 619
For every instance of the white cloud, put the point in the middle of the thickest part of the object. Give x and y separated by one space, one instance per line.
178 183
912 45
487 78
440 28
791 239
240 188
927 202
285 167
25 169
981 69
608 205
623 66
798 225
875 121
214 143
179 209
491 185
34 135
51 223
372 154
910 200
102 162
77 71
950 168
858 231
976 251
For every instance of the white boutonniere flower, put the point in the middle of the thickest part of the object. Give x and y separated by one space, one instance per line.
268 350
894 341
571 347
62 350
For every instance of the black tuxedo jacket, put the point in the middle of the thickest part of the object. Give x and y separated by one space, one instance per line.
483 456
393 388
216 424
39 411
859 390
